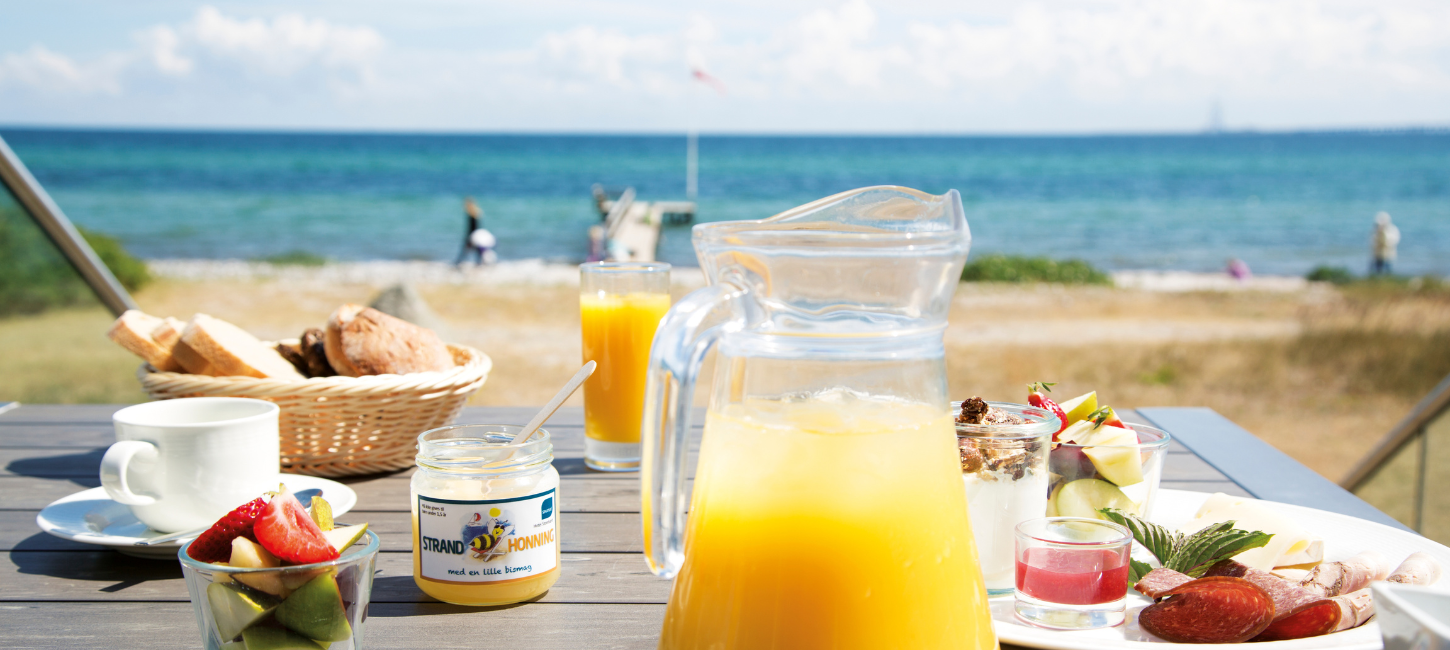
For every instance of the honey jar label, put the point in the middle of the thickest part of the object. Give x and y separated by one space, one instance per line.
500 540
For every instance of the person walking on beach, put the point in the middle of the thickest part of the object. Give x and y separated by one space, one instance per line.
478 242
1385 245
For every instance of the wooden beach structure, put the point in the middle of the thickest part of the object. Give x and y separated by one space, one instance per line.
629 229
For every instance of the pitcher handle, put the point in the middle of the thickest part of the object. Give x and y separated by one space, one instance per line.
685 335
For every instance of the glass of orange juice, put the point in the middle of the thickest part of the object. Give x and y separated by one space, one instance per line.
620 305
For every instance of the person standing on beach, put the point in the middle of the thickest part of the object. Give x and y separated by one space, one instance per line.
1385 245
478 242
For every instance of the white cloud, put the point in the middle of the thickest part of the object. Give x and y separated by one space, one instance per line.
162 43
51 72
285 45
837 65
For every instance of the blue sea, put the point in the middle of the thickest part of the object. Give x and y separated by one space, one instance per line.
1284 203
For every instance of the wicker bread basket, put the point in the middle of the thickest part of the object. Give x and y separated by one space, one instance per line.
343 426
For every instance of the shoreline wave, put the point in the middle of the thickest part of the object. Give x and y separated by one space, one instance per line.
538 272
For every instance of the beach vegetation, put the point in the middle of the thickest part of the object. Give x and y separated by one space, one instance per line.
1330 274
35 276
1022 269
295 257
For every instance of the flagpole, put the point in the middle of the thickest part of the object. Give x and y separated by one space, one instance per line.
692 148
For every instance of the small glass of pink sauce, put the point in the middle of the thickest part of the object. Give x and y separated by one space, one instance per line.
1072 573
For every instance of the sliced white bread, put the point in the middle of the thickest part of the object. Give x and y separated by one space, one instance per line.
364 341
168 335
133 330
232 352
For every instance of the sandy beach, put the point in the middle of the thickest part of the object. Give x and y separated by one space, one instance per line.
1319 372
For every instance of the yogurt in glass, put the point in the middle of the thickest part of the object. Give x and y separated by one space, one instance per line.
1003 451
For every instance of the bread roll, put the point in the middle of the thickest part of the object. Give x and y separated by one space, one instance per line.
314 352
364 341
233 352
292 352
134 331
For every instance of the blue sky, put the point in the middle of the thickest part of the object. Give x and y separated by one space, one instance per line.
845 66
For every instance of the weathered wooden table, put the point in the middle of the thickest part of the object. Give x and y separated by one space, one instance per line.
61 594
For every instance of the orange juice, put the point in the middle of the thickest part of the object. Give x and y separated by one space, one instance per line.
618 330
849 531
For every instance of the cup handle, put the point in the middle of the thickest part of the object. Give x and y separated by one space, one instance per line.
114 466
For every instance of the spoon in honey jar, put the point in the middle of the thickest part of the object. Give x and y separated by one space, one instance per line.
554 404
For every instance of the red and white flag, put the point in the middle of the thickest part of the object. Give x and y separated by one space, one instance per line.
707 79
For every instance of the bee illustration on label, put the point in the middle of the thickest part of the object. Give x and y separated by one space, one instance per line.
484 535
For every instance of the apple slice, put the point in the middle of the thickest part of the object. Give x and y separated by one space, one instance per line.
346 536
1078 408
1107 435
1123 466
1075 432
1084 497
235 609
1115 454
248 554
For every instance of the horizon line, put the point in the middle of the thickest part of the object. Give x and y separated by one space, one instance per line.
1245 131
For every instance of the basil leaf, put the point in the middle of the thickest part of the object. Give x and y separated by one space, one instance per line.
1136 571
1158 540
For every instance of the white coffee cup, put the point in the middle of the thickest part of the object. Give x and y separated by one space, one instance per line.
182 464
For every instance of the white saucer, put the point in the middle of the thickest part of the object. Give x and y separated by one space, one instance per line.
91 517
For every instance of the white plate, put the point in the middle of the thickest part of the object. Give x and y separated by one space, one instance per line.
1343 537
91 517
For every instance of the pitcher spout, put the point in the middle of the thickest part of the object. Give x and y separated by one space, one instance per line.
870 260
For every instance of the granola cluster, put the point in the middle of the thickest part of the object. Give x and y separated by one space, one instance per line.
992 460
976 411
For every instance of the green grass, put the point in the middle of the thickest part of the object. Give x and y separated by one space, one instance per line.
1016 268
62 357
1330 274
35 276
294 258
1383 284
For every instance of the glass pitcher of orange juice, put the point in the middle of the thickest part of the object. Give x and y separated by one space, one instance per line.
827 509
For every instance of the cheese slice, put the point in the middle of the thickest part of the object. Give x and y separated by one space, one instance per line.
1290 544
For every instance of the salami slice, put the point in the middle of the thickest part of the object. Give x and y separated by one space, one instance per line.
1210 610
1301 613
1288 597
1315 619
1159 581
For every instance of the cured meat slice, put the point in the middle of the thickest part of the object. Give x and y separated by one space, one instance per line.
1159 581
1334 578
1418 569
1354 609
1315 619
1210 610
1299 613
1288 597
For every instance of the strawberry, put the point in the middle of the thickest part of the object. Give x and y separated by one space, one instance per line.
215 545
1107 417
1037 396
286 530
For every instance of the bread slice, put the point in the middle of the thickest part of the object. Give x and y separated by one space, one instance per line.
134 331
364 341
168 335
232 352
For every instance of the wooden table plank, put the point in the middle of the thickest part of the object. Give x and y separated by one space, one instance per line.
579 532
576 493
109 576
168 626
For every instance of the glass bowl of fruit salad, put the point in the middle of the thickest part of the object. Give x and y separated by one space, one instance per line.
275 575
1108 464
